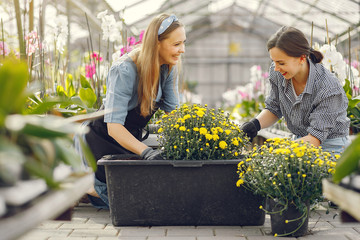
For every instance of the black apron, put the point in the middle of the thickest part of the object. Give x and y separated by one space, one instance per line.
102 144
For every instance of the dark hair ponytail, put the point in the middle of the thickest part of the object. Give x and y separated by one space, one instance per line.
315 56
293 42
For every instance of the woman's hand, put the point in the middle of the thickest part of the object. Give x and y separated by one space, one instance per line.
151 154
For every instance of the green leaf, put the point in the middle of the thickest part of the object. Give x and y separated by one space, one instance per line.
349 161
88 96
88 155
13 82
77 101
47 105
347 89
43 127
65 152
84 82
36 168
69 86
61 91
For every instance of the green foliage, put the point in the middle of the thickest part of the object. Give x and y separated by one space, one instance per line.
353 110
349 161
13 82
198 133
37 143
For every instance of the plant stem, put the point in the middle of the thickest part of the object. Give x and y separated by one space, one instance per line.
19 28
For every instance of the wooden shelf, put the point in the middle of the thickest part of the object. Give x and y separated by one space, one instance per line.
348 200
47 206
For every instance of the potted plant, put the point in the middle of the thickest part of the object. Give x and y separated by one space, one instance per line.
196 185
289 174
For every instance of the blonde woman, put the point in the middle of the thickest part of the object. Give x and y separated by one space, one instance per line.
137 85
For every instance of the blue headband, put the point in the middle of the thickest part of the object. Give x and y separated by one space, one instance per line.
166 23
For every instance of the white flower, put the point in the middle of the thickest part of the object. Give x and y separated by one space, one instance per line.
111 29
58 32
102 14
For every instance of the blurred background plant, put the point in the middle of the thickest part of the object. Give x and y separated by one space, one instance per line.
245 102
33 144
48 58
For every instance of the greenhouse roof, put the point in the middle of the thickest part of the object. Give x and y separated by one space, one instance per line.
331 18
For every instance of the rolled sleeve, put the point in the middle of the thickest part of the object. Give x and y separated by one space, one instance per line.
120 90
170 91
272 102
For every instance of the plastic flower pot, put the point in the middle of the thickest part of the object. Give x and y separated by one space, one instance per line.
291 222
168 192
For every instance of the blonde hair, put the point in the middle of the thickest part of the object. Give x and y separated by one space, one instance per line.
148 65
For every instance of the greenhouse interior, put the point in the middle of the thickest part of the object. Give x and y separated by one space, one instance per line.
230 81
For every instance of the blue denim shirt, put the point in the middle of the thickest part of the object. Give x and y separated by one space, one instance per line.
122 90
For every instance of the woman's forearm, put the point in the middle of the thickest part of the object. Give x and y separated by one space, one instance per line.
118 132
267 118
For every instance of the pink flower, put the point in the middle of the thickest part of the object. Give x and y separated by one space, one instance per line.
4 49
140 37
257 85
32 42
265 75
125 49
90 70
243 95
131 41
96 56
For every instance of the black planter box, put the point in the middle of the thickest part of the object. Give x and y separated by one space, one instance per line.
167 192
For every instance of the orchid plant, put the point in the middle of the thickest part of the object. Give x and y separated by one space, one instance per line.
348 75
244 102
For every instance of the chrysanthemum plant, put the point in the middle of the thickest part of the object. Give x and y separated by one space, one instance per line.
289 172
199 133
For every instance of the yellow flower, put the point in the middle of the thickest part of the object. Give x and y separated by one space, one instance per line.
227 131
236 154
175 147
187 116
304 175
216 137
196 129
187 150
235 142
157 122
239 182
208 136
182 128
261 207
289 175
203 131
200 113
222 144
160 130
176 126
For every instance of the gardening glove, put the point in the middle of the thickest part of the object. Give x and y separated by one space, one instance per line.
151 154
251 128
